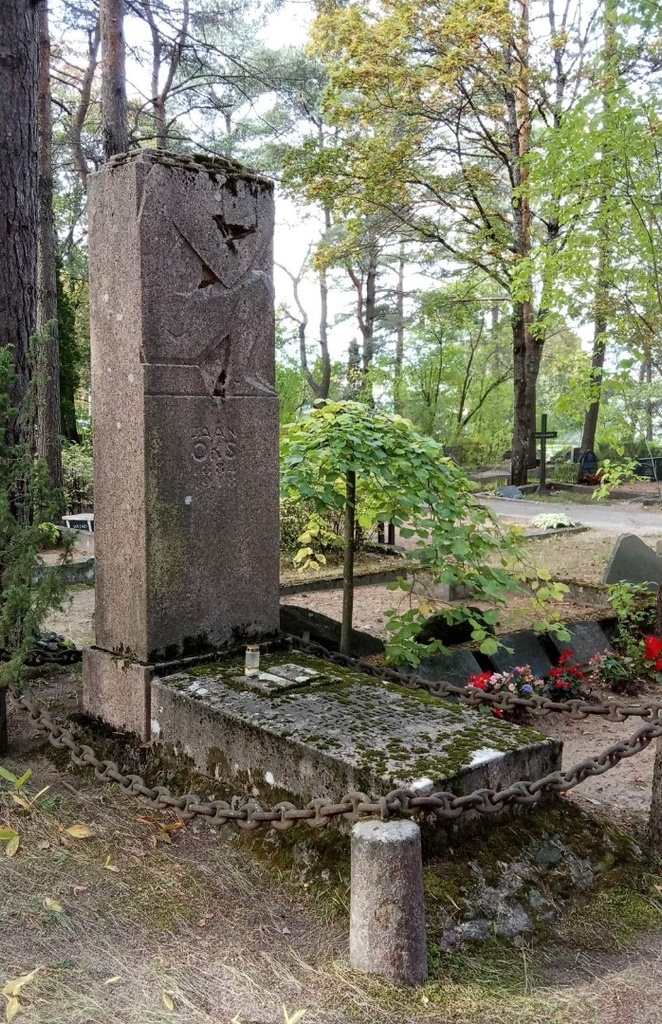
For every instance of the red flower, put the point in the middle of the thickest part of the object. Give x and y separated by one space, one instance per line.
480 682
566 656
653 649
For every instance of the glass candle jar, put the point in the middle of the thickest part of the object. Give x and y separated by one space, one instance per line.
252 663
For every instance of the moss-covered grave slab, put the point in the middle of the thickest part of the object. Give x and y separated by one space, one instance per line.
309 729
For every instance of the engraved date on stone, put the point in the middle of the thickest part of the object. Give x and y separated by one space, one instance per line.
214 457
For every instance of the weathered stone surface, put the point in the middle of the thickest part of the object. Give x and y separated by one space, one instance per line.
324 630
117 690
387 910
348 732
185 414
3 720
454 667
526 650
586 640
633 561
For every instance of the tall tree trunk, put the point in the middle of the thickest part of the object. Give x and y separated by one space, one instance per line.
348 566
599 342
399 332
47 363
602 285
19 79
649 409
113 78
325 355
78 122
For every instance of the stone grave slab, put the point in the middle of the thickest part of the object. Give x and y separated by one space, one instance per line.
454 667
586 640
526 650
510 491
351 731
633 561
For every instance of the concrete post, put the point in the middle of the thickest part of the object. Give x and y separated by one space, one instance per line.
387 913
185 420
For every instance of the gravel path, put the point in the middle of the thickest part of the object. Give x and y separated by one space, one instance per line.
615 518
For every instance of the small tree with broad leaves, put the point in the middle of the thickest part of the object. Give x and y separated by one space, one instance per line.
375 467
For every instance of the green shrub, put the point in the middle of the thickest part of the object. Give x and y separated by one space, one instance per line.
78 467
49 535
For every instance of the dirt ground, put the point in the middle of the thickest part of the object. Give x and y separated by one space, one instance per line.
146 922
140 925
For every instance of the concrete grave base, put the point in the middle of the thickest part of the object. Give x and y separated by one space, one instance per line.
335 731
117 690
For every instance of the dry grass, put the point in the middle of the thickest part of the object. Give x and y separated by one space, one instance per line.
202 924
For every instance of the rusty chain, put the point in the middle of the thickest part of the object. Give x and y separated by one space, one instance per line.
248 814
616 711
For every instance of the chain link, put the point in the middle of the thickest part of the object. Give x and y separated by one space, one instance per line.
248 814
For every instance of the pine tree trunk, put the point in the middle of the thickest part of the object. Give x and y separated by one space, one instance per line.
19 70
399 333
113 78
348 567
47 362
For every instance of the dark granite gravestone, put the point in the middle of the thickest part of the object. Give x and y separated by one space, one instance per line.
455 667
437 627
510 491
586 640
527 650
324 630
588 464
633 561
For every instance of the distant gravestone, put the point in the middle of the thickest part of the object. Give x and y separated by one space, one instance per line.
588 464
586 640
324 630
632 561
510 491
526 650
455 667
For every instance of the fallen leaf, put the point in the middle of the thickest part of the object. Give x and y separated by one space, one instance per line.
78 831
78 889
111 981
202 923
109 866
152 841
172 826
7 833
13 1007
12 846
164 837
21 801
53 905
295 1018
168 1002
12 988
44 845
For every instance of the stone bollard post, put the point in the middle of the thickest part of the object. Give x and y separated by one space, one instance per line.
3 720
387 915
655 820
